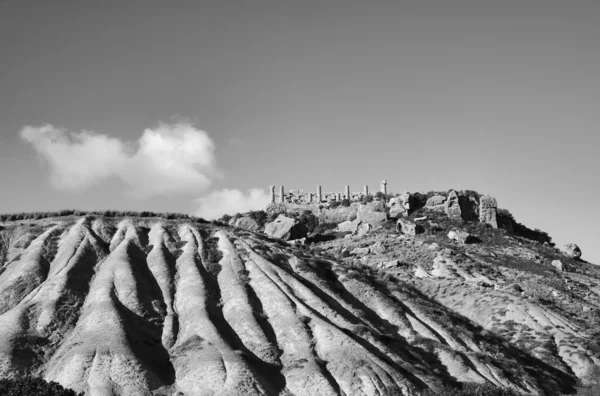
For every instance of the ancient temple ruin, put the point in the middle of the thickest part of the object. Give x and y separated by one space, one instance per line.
305 197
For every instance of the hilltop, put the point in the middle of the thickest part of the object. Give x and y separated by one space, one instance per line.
349 298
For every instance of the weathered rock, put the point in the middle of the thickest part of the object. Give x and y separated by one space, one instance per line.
461 236
349 226
364 250
400 205
572 250
452 206
488 210
286 228
372 213
407 227
390 264
363 229
246 223
377 248
558 265
436 203
433 246
422 218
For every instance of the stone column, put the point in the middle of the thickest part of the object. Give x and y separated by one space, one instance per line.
281 195
348 192
338 197
309 197
384 187
319 195
366 190
272 189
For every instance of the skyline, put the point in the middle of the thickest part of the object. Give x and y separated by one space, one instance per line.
497 98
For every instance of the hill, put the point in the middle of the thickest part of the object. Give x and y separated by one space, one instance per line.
143 305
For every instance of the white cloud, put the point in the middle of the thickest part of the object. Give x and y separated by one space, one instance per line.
168 159
230 201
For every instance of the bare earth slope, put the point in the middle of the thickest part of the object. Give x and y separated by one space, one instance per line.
155 307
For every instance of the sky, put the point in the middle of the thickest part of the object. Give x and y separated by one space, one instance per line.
197 107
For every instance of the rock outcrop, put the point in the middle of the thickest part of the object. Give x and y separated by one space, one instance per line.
452 205
558 265
372 213
436 203
400 205
461 236
572 250
488 210
408 227
246 223
286 228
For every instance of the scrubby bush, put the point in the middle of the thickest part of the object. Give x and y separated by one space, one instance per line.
33 386
345 202
225 218
309 220
366 199
260 216
380 196
334 204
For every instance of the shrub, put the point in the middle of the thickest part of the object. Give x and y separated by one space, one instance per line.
225 218
260 216
33 386
366 199
309 220
334 204
380 196
345 202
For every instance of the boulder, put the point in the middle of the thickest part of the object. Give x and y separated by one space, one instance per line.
488 210
349 226
452 206
400 205
286 228
377 248
390 264
461 236
362 229
558 265
407 227
372 213
572 250
364 250
246 223
436 203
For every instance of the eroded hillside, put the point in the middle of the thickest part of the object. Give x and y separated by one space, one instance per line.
149 306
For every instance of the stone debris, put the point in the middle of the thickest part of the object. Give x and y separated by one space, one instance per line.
363 250
407 227
572 250
461 236
286 228
488 210
436 203
452 206
558 265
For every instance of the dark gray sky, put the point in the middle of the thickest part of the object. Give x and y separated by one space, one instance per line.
496 96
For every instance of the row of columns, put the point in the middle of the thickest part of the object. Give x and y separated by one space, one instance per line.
319 195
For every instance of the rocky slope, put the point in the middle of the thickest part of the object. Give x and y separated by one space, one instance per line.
136 306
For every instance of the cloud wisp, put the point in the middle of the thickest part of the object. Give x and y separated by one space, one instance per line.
168 159
230 201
